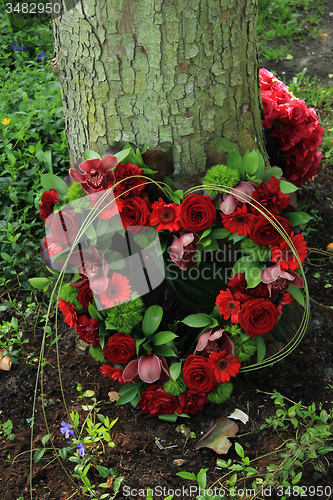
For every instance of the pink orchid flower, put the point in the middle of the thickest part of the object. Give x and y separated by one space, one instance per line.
242 193
98 173
149 368
91 267
183 250
214 341
278 280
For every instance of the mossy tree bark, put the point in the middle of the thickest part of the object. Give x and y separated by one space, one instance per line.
152 71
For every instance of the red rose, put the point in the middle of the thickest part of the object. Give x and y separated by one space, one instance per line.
197 212
64 227
88 330
155 401
270 196
263 232
198 375
266 78
295 112
120 348
258 317
85 295
49 199
192 401
281 92
130 186
135 212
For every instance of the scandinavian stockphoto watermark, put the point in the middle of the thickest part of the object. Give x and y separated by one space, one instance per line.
193 492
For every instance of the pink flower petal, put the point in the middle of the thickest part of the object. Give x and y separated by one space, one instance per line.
176 249
76 176
202 342
90 164
131 370
228 205
297 279
243 191
149 368
107 163
270 274
186 238
227 344
98 283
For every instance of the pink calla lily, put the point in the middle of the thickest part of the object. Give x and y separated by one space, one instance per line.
98 174
212 340
149 368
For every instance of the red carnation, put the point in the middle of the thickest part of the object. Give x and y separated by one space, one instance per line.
270 196
88 330
224 365
119 349
49 199
197 212
198 374
165 216
69 311
192 401
285 256
129 185
155 401
239 221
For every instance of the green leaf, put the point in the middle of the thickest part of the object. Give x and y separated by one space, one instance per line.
168 418
89 154
175 370
261 348
51 181
45 439
220 234
164 350
217 437
272 172
39 283
205 233
94 313
239 450
187 475
197 320
261 168
279 335
152 319
212 247
252 274
251 161
298 218
242 264
39 454
236 161
287 187
163 337
297 294
103 471
122 155
63 453
128 396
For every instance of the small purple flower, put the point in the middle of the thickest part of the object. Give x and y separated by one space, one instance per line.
66 429
18 48
40 56
81 449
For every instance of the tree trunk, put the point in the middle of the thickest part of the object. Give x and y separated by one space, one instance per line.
153 71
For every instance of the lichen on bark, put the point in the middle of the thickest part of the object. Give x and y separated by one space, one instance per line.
152 71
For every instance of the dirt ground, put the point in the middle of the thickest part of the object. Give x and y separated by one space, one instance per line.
149 452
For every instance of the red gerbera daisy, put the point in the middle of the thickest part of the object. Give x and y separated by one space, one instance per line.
228 306
113 372
238 222
224 365
69 311
165 216
285 256
118 290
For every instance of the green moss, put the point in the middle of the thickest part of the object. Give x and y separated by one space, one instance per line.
222 393
97 353
259 253
126 316
221 175
69 293
232 330
175 387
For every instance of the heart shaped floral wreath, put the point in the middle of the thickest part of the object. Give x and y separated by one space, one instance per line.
118 230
